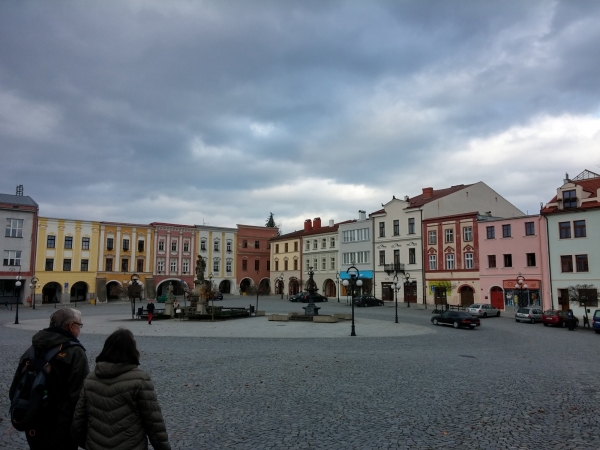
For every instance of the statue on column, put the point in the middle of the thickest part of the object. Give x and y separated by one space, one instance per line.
199 282
200 268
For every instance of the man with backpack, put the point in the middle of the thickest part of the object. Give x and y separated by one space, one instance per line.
46 385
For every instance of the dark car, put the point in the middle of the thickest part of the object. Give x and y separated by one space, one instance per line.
303 297
219 296
556 318
457 319
296 297
367 300
596 321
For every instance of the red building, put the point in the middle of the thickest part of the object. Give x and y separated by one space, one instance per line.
253 262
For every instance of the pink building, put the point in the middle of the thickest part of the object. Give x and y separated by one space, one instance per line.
509 248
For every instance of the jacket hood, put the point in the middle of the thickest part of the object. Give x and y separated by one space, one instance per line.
111 370
51 337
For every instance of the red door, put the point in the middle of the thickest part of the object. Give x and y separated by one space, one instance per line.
497 297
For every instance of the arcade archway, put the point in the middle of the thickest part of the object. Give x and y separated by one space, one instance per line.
51 292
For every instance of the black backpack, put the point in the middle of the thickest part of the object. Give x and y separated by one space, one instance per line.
29 390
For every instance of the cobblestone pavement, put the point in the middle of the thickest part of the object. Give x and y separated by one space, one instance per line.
504 385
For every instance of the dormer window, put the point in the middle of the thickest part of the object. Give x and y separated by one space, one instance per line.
569 199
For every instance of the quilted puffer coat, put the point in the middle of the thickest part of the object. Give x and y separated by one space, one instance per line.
117 408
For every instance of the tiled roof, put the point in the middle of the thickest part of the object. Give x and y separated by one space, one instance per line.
380 211
301 233
590 185
419 200
22 200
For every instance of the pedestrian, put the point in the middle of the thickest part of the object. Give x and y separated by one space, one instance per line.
570 320
150 309
68 370
117 408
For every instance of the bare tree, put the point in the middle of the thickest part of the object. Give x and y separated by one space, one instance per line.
257 290
584 295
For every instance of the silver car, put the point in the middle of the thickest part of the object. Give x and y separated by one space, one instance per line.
530 314
483 310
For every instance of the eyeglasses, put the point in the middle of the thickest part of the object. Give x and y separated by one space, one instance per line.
77 323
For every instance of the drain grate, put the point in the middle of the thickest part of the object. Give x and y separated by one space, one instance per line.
467 356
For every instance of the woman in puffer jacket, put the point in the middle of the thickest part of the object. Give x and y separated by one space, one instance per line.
117 407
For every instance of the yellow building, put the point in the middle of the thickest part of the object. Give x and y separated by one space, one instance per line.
124 251
286 257
66 262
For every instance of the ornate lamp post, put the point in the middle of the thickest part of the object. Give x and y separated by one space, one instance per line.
212 297
18 289
353 281
396 287
521 286
395 269
337 282
33 286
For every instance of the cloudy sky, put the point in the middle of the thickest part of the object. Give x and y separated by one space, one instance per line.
223 111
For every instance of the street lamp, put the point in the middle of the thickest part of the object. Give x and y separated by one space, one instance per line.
337 281
406 281
33 286
212 297
353 281
396 287
18 286
521 286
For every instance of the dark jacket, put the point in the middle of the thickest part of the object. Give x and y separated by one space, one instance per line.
117 409
68 370
150 308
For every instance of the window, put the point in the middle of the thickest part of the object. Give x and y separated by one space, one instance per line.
268 266
295 264
315 264
276 266
324 243
468 233
51 241
285 265
331 242
296 246
85 243
12 258
508 260
173 265
84 265
68 242
449 261
469 261
355 235
228 246
412 256
492 261
140 265
381 229
315 244
307 265
160 265
285 247
411 226
216 246
173 245
432 262
276 248
564 229
126 245
506 231
490 232
228 266
186 246
381 257
529 229
109 264
332 263
432 237
581 262
185 265
566 263
579 228
203 245
161 246
256 244
244 264
396 256
109 243
256 264
530 259
355 258
49 264
245 243
140 246
449 235
14 228
124 265
307 245
216 265
569 199
396 227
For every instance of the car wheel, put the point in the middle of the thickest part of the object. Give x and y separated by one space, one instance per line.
545 324
472 327
455 325
597 331
532 320
435 322
485 315
516 320
498 314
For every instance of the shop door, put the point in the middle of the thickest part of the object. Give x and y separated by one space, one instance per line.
466 296
440 296
387 293
497 298
410 292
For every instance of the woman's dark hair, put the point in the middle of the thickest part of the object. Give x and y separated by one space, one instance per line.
120 347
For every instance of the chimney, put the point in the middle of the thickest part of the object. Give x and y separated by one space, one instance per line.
427 192
331 223
566 180
317 223
406 198
362 215
307 225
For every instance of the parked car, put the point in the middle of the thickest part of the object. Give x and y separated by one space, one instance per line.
556 318
219 296
296 297
531 314
367 300
303 297
483 310
596 321
457 319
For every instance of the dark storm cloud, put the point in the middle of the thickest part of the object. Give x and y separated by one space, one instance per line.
188 110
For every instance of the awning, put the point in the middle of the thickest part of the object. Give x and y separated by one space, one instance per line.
364 275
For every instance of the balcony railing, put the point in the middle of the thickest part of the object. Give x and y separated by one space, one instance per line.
393 268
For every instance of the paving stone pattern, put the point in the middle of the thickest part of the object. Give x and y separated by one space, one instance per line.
504 385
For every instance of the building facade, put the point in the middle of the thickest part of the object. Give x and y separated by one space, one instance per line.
286 262
356 249
320 252
253 258
217 245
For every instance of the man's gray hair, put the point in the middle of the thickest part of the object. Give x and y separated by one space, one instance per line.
63 317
